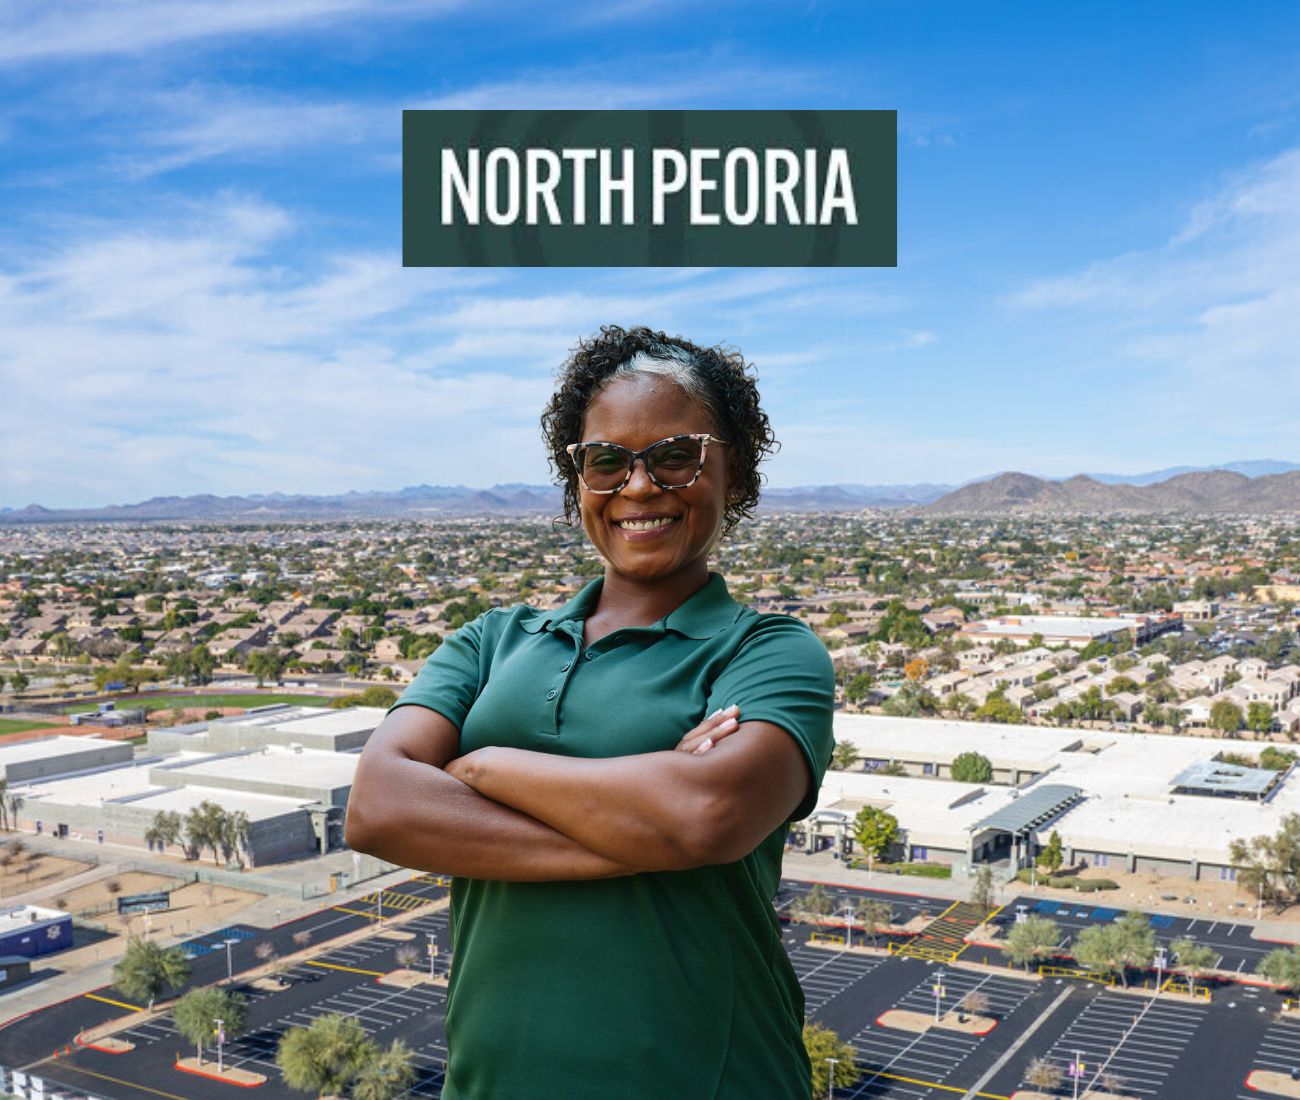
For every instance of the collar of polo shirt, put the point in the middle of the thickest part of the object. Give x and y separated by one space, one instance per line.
708 612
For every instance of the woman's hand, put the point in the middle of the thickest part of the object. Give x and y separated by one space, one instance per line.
709 732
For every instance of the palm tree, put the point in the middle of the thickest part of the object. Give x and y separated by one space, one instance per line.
326 1056
387 1075
147 968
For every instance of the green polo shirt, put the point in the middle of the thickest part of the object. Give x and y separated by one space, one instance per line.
662 984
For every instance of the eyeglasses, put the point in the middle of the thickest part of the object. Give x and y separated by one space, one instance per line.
672 463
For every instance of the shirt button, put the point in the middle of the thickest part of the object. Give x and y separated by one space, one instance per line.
566 666
551 694
590 656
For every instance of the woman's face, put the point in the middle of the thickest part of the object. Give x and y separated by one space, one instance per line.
635 412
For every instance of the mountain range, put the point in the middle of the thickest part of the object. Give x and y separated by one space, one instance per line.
1258 486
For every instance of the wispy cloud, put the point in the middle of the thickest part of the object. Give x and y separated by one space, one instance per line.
177 355
47 30
1213 311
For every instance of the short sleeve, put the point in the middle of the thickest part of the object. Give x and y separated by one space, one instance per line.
782 674
452 676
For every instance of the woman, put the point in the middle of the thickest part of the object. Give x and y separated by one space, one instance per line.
611 917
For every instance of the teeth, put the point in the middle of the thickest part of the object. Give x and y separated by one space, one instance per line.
644 524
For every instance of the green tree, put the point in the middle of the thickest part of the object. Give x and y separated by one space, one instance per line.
875 830
265 664
18 681
1226 717
873 915
1194 959
858 689
910 701
1031 940
822 1045
1121 683
815 904
206 827
1276 759
971 767
388 1075
1268 867
1282 967
997 708
326 1056
147 968
1100 948
375 696
196 1015
166 828
982 891
1051 857
844 756
1259 718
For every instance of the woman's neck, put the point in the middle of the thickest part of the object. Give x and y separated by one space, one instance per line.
625 601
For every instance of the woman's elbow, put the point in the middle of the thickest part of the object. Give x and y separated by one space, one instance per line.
715 832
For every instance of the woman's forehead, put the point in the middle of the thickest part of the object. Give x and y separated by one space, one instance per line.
646 406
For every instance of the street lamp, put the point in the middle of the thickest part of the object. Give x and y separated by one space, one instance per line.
848 916
938 994
830 1078
1162 960
221 1038
230 973
433 955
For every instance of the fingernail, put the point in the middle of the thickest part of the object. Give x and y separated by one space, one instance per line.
733 709
730 723
714 715
705 746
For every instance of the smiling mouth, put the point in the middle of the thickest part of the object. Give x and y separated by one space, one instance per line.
645 524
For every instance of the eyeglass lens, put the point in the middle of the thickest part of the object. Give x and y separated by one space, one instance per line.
673 463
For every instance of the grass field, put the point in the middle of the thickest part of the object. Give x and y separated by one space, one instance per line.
204 702
13 725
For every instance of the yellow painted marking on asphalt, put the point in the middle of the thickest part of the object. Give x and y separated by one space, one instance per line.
349 969
116 1004
356 912
938 1085
120 1081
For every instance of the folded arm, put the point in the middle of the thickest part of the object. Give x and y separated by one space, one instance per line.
662 810
406 809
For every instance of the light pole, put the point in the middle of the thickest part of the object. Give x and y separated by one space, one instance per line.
1162 960
848 916
830 1078
221 1038
1259 906
1076 1071
938 994
230 973
433 955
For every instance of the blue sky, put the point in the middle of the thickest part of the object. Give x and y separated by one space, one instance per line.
201 287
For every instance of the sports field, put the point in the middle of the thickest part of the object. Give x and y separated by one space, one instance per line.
246 700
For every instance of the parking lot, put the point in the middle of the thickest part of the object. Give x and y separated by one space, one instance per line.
1231 939
1154 1048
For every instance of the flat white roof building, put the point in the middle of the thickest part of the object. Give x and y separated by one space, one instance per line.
1127 814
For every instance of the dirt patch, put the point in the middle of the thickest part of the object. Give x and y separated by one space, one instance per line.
1173 894
405 979
1267 1080
33 869
395 934
905 1020
231 1075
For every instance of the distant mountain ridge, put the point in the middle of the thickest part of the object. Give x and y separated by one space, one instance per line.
1215 491
1257 486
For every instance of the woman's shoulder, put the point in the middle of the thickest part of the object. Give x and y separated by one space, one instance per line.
775 631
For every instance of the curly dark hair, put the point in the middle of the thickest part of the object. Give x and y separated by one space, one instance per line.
719 379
